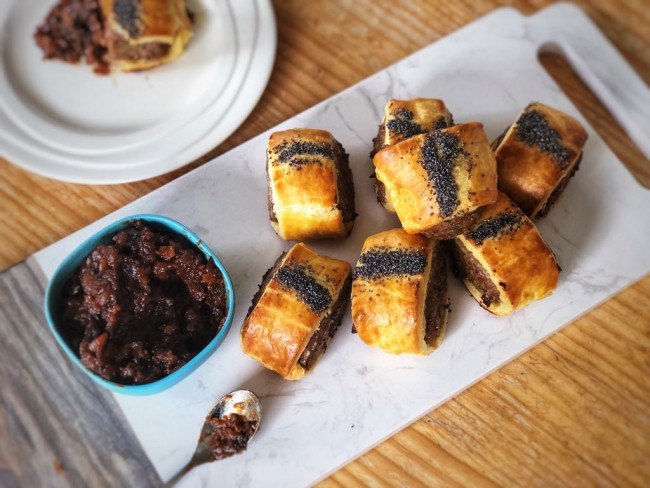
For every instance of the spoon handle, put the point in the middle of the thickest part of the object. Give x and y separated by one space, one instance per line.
177 477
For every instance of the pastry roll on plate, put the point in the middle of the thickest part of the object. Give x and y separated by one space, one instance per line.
142 34
399 293
537 156
437 181
310 188
296 311
404 119
503 261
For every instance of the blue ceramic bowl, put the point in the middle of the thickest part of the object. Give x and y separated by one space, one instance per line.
54 300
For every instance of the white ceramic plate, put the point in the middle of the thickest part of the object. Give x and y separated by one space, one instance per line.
65 122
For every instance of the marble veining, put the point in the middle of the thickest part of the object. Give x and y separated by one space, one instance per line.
357 396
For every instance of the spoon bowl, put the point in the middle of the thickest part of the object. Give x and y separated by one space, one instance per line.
239 402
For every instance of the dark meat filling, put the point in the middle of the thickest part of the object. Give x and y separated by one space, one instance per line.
470 269
380 189
228 435
74 30
378 141
142 306
552 198
436 301
327 328
121 49
344 183
449 229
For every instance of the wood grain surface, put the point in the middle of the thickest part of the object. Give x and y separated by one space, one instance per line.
574 411
58 427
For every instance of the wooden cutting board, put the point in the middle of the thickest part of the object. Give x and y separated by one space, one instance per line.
593 220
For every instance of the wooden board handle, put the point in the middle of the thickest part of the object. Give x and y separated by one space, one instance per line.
565 29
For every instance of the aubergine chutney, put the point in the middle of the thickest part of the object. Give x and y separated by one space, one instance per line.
143 305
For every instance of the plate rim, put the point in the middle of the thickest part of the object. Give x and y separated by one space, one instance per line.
41 127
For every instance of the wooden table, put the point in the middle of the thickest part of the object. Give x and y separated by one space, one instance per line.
575 410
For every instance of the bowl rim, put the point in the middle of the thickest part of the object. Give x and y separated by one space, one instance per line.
79 254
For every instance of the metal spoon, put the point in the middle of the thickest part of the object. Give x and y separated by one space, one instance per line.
242 402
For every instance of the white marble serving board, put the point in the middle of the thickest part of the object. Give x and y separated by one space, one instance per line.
358 396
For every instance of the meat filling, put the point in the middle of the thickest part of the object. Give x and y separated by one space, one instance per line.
344 183
120 48
468 268
453 227
378 141
380 189
436 301
327 328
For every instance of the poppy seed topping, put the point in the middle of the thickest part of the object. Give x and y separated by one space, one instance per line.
492 227
534 130
311 293
439 151
377 263
299 153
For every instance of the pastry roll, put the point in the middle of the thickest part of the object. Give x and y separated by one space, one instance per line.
310 188
503 261
296 311
537 155
142 34
437 181
404 119
399 293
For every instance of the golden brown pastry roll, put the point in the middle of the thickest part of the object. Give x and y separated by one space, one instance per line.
296 311
399 293
310 187
142 34
503 261
437 181
404 119
537 155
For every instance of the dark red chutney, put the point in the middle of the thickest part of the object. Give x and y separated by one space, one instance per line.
142 306
72 31
228 435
